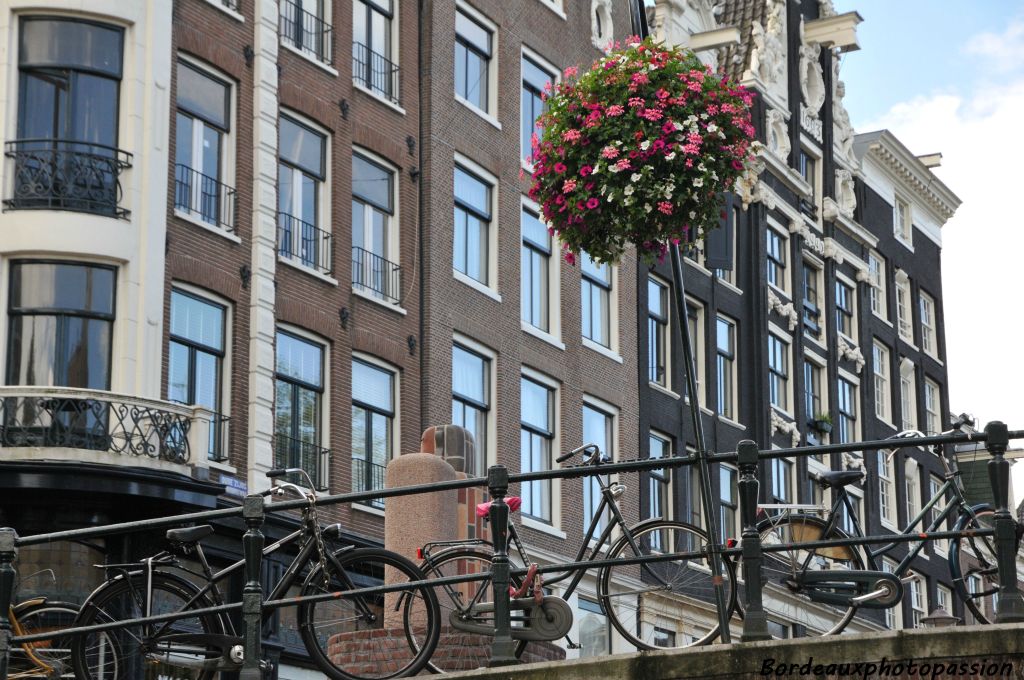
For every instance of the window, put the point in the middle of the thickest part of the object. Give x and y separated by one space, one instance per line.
195 358
301 176
373 60
929 341
595 635
695 327
918 600
847 403
876 282
807 167
844 309
901 220
912 488
782 480
976 585
880 370
596 289
472 225
472 61
908 395
66 155
776 249
535 279
903 306
373 413
537 430
597 429
728 502
893 615
298 395
944 598
940 546
659 503
886 488
202 124
846 521
304 26
471 401
812 310
778 373
725 338
535 79
663 637
779 631
373 211
812 390
729 275
658 370
932 408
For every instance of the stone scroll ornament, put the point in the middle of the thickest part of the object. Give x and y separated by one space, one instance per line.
637 150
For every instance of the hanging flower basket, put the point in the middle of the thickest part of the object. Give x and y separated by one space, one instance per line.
636 151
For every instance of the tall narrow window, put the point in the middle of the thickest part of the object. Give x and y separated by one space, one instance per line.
893 615
595 635
880 371
472 61
782 480
876 281
373 412
596 289
535 287
847 403
728 502
776 249
695 327
932 408
373 213
195 357
373 60
659 498
908 395
807 167
918 600
301 177
536 432
929 343
472 225
304 26
597 429
844 309
811 303
886 488
940 546
901 220
298 395
535 78
912 488
778 373
657 332
812 390
725 338
471 401
903 321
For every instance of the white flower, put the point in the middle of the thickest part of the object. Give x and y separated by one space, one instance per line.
628 190
712 127
693 214
699 182
635 177
670 156
644 146
677 125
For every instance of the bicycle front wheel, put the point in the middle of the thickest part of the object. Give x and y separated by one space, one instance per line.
181 648
46 658
973 565
665 604
383 635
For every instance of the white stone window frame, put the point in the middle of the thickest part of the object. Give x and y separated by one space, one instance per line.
490 287
396 420
787 465
877 296
555 527
733 405
818 266
665 329
854 380
887 463
932 407
940 546
789 409
326 394
490 455
394 228
610 351
881 353
698 347
918 588
612 412
904 235
552 336
854 304
309 55
904 326
545 64
394 57
668 510
929 324
782 233
908 395
490 114
893 615
912 497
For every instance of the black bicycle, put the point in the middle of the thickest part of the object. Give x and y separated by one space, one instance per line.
349 637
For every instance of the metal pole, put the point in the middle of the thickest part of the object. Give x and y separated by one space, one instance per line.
755 622
690 369
1010 604
503 648
252 593
8 577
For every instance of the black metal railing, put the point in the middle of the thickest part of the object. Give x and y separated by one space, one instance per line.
375 72
306 31
204 198
235 5
94 424
310 456
372 273
368 476
57 174
219 437
304 243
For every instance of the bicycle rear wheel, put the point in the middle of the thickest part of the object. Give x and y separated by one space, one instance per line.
668 604
172 649
47 658
385 635
973 565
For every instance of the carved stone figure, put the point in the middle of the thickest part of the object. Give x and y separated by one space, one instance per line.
601 23
846 198
778 134
843 127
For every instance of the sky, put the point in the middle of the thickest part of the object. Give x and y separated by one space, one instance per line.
949 77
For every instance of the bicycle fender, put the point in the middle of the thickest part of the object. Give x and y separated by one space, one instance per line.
23 605
185 584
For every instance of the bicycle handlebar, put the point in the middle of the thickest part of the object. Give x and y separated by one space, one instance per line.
594 449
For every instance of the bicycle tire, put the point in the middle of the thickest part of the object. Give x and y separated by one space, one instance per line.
45 659
368 636
684 587
121 654
973 557
455 600
784 595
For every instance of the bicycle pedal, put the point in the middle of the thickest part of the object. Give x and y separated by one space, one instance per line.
237 654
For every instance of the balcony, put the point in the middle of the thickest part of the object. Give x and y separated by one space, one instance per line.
203 198
309 456
368 476
55 174
375 72
303 243
306 31
375 275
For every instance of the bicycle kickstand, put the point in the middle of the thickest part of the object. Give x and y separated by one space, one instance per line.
572 645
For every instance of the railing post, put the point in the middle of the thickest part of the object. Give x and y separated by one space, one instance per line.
755 622
503 648
252 593
8 576
1010 603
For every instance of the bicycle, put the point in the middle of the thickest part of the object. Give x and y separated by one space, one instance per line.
825 587
635 597
45 658
347 637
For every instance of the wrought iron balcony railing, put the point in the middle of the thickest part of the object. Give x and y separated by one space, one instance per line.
368 476
310 456
235 5
304 243
306 31
57 174
51 417
204 198
375 72
375 275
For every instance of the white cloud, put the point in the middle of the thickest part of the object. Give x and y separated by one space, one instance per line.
1004 50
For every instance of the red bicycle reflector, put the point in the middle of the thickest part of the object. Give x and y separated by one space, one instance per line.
419 553
731 543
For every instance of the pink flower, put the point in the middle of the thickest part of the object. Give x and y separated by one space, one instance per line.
665 207
639 79
592 203
615 110
560 167
669 127
694 86
570 258
571 72
610 152
662 93
585 170
569 186
623 164
636 101
652 114
571 136
694 138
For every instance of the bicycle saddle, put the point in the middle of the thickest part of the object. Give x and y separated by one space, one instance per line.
189 534
839 478
513 503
